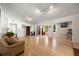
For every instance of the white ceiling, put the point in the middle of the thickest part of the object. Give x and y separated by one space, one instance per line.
29 9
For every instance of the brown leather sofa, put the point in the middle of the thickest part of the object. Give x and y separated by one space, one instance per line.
11 50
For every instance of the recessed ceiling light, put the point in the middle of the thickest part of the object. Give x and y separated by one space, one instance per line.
38 11
51 7
28 18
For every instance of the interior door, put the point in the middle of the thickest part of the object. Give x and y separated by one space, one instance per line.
27 30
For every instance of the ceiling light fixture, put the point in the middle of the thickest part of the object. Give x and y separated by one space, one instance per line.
47 9
38 11
51 7
28 18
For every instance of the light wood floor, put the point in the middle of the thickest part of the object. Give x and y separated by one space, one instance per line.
44 46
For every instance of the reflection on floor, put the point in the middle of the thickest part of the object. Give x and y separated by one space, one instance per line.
44 46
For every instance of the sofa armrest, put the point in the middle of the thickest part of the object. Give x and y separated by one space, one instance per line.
13 45
16 44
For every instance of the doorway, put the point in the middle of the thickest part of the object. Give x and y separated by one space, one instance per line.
27 30
13 28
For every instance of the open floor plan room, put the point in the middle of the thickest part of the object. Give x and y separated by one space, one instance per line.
39 29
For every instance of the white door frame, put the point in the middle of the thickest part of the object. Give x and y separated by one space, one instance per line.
15 26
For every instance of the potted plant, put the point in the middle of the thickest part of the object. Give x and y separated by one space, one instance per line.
10 34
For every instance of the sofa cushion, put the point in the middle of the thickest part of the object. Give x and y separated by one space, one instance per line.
10 40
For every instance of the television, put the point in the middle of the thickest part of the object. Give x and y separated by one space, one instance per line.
64 25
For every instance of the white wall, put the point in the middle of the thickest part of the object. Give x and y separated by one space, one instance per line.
0 16
10 17
4 22
75 25
0 22
20 29
75 30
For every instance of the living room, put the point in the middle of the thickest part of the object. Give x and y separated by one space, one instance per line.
40 29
